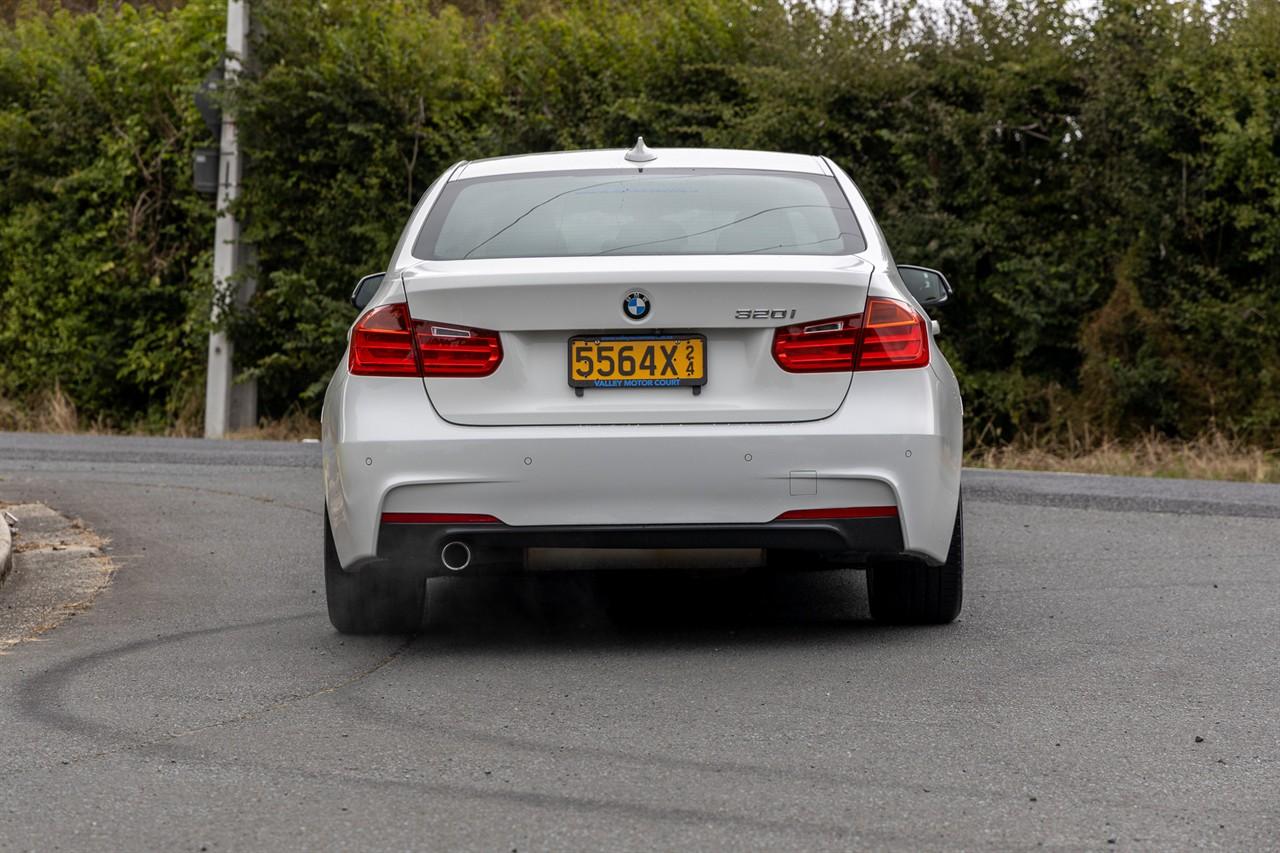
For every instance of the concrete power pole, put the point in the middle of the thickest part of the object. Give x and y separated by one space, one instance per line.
227 406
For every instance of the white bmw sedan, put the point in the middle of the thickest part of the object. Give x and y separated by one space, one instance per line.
642 358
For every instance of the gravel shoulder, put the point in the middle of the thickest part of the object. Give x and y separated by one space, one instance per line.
58 568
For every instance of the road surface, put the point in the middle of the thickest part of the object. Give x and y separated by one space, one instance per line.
1113 682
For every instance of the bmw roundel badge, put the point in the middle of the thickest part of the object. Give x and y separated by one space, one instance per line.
636 305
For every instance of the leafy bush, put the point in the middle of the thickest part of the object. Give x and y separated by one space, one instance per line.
1103 189
104 245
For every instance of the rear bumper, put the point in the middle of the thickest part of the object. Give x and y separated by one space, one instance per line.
894 442
501 547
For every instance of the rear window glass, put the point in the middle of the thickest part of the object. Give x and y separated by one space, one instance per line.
654 212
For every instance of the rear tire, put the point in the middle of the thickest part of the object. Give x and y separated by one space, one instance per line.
919 594
376 600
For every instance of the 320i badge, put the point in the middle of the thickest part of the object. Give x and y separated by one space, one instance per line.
765 314
654 357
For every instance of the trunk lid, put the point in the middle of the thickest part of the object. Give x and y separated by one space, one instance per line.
538 304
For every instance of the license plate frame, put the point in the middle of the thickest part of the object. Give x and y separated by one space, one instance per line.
618 381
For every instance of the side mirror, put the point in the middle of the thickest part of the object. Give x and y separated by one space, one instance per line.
929 287
365 288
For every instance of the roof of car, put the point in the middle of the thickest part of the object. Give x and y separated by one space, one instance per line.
667 158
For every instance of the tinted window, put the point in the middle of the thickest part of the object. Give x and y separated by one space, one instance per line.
655 212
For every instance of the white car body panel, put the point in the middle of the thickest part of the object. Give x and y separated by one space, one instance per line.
642 456
546 300
416 462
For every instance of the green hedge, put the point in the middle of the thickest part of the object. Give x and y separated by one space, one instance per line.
104 247
1104 192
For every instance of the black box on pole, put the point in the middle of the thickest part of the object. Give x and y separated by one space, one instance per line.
205 169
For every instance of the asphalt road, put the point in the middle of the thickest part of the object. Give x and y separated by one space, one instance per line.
204 702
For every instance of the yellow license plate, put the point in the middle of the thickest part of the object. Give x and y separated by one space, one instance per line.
636 361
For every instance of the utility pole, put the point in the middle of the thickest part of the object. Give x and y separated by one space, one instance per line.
227 406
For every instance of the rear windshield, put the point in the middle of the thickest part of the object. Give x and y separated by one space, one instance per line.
654 212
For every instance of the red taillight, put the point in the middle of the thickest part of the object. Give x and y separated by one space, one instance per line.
893 336
382 345
890 334
840 512
456 350
438 518
820 346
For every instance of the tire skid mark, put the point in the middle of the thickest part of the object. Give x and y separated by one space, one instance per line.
660 762
37 694
659 812
282 704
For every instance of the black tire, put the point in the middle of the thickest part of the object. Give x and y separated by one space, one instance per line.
375 600
913 593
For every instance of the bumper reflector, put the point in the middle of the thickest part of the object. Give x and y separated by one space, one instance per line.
839 512
437 518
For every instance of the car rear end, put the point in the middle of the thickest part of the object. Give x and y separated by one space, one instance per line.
579 362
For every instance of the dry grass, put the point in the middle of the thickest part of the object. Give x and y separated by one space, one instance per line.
54 411
49 411
294 426
1212 457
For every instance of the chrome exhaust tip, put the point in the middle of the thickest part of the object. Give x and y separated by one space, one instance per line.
456 556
